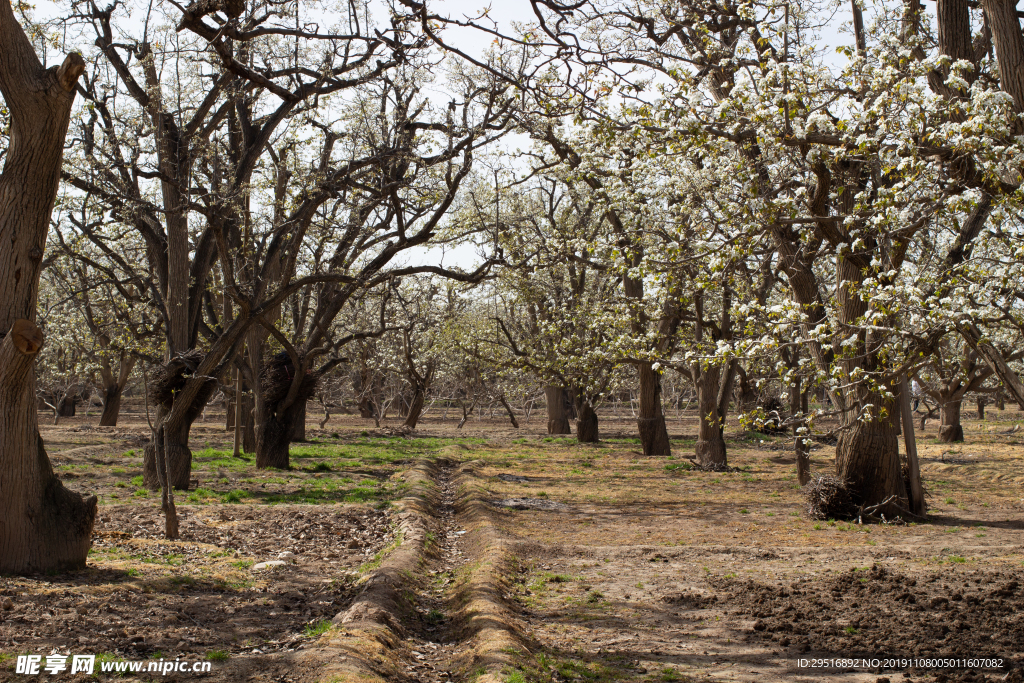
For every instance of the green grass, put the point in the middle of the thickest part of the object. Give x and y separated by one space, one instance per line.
217 655
200 495
235 496
317 628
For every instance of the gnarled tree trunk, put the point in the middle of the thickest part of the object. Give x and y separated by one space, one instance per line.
172 435
419 397
710 449
950 429
111 406
43 526
867 456
280 404
558 422
651 420
113 387
299 424
276 426
586 423
67 405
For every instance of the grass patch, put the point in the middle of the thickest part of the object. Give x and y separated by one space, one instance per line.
317 628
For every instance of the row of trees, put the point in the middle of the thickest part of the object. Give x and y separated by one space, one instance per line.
707 195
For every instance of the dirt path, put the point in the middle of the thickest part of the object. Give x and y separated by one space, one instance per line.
434 645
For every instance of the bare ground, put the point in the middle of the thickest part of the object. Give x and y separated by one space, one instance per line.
604 564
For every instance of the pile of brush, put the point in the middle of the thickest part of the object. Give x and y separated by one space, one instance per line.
276 379
775 413
171 377
828 497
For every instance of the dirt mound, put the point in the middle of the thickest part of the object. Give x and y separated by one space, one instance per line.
878 612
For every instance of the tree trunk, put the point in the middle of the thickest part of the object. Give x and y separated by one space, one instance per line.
803 459
416 407
710 450
868 458
950 430
746 393
794 397
280 406
113 387
981 408
43 526
111 405
1001 16
367 409
558 423
299 424
915 489
173 431
236 419
511 413
179 460
586 424
67 404
274 435
651 420
248 425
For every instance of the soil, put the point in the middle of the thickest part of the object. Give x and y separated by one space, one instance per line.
872 610
199 597
615 566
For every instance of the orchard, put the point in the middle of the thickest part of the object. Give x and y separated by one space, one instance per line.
557 341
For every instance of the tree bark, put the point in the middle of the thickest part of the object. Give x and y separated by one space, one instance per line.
43 526
586 424
113 388
178 461
299 424
419 398
280 406
236 419
981 408
651 419
803 459
274 435
710 449
174 425
1009 43
67 405
867 457
511 413
558 422
916 488
111 406
950 429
